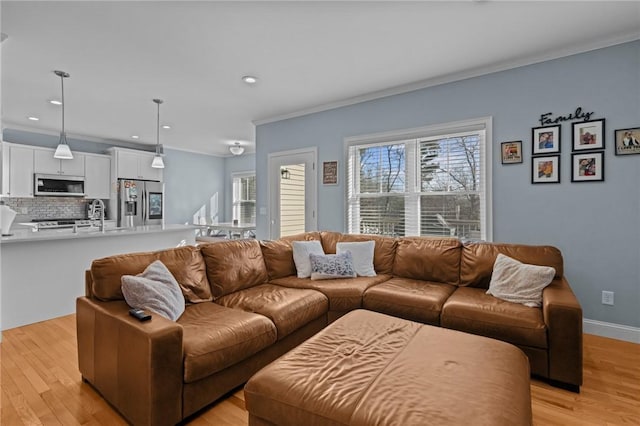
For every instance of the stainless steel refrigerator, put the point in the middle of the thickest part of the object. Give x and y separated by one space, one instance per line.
140 202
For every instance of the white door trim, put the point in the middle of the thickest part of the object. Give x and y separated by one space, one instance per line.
275 158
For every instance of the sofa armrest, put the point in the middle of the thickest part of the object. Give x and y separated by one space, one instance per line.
563 317
136 366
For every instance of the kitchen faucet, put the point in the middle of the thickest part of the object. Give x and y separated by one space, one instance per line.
95 203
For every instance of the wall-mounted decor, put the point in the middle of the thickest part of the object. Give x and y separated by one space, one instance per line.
545 169
588 135
545 140
547 118
587 167
628 141
511 152
330 173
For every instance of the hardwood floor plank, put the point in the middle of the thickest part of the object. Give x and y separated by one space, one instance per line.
41 384
9 415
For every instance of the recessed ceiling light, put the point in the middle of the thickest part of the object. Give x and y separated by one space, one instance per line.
166 126
135 137
32 118
249 79
55 102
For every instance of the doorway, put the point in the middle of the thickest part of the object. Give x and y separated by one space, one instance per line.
292 192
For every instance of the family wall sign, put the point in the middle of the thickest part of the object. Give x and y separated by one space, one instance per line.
547 118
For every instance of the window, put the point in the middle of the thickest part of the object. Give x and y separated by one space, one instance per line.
429 181
244 197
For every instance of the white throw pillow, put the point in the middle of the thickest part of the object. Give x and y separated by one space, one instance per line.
362 253
154 290
301 252
519 282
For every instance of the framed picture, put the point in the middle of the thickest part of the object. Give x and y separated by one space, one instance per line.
545 140
330 173
545 169
511 152
628 141
587 167
588 135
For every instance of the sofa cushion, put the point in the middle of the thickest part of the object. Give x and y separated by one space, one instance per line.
301 252
362 254
477 260
216 337
288 308
185 263
473 311
519 282
278 254
330 266
154 290
383 253
344 294
414 300
428 259
234 265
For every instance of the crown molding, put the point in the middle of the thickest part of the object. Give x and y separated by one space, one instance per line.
463 75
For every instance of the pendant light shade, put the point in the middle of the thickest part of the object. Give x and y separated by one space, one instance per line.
157 162
236 149
63 151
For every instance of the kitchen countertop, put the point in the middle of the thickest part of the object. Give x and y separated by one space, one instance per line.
27 235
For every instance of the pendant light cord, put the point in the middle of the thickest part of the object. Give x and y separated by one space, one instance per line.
62 84
158 102
158 132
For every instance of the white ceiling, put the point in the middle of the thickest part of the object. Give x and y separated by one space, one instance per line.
307 55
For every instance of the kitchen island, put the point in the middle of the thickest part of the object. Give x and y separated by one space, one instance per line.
43 272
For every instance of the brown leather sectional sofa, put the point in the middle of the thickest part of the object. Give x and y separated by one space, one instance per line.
160 372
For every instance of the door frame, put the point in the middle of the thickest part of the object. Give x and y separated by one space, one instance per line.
276 159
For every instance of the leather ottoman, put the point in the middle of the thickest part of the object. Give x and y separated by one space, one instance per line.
368 368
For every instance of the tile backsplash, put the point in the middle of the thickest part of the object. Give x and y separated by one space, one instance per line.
49 207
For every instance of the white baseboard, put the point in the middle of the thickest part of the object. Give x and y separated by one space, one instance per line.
611 330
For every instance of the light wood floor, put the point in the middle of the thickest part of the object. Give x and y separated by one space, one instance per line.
41 385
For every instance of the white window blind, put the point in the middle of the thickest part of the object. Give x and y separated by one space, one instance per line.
429 185
244 197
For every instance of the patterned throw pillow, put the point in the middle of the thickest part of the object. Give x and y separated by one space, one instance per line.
327 266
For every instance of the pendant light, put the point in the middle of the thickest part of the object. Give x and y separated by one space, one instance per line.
157 162
63 151
236 149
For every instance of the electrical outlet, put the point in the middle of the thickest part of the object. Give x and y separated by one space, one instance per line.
607 298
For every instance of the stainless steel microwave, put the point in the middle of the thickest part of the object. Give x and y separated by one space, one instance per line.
58 185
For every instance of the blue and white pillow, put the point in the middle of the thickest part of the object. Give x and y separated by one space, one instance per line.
328 266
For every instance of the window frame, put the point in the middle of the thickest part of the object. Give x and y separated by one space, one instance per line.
412 179
234 202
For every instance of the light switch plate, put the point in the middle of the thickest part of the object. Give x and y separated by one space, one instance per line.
607 298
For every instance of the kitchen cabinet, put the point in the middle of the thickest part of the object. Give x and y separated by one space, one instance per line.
45 163
97 176
17 170
136 165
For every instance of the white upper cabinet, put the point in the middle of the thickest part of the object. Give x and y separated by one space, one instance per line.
97 176
45 163
17 170
135 165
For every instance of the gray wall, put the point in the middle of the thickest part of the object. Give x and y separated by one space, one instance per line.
595 224
241 163
193 183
